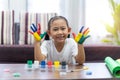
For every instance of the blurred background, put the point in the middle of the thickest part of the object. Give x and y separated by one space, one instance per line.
101 16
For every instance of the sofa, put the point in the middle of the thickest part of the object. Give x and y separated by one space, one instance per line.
22 53
16 53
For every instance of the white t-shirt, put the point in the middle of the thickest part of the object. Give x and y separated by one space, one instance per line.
69 51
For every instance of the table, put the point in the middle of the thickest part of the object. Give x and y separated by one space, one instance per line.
99 71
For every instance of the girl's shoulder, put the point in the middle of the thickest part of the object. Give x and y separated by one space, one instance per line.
70 40
46 42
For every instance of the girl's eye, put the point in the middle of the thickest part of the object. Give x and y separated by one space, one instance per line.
55 29
63 28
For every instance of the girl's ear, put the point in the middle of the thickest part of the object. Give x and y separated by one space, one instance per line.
69 30
48 32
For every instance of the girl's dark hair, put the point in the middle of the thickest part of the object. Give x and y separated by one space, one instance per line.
53 19
56 18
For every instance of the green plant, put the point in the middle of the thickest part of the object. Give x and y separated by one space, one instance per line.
115 29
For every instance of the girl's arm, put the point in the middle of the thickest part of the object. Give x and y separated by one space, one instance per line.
36 32
37 52
80 38
80 58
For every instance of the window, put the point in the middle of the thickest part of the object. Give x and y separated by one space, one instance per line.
97 12
43 6
3 5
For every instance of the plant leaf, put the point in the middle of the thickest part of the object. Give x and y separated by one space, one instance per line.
110 29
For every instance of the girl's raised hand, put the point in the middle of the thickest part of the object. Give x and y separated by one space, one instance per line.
36 32
81 36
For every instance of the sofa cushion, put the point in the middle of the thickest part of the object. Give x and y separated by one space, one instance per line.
16 53
99 52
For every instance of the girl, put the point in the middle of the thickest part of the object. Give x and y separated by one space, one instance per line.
59 47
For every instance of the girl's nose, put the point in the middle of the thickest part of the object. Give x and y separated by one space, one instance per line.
59 31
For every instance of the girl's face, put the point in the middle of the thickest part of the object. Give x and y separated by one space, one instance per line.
59 30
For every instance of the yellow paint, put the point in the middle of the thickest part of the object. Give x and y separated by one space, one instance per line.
37 37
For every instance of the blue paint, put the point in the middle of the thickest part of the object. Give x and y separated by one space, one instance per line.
43 64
